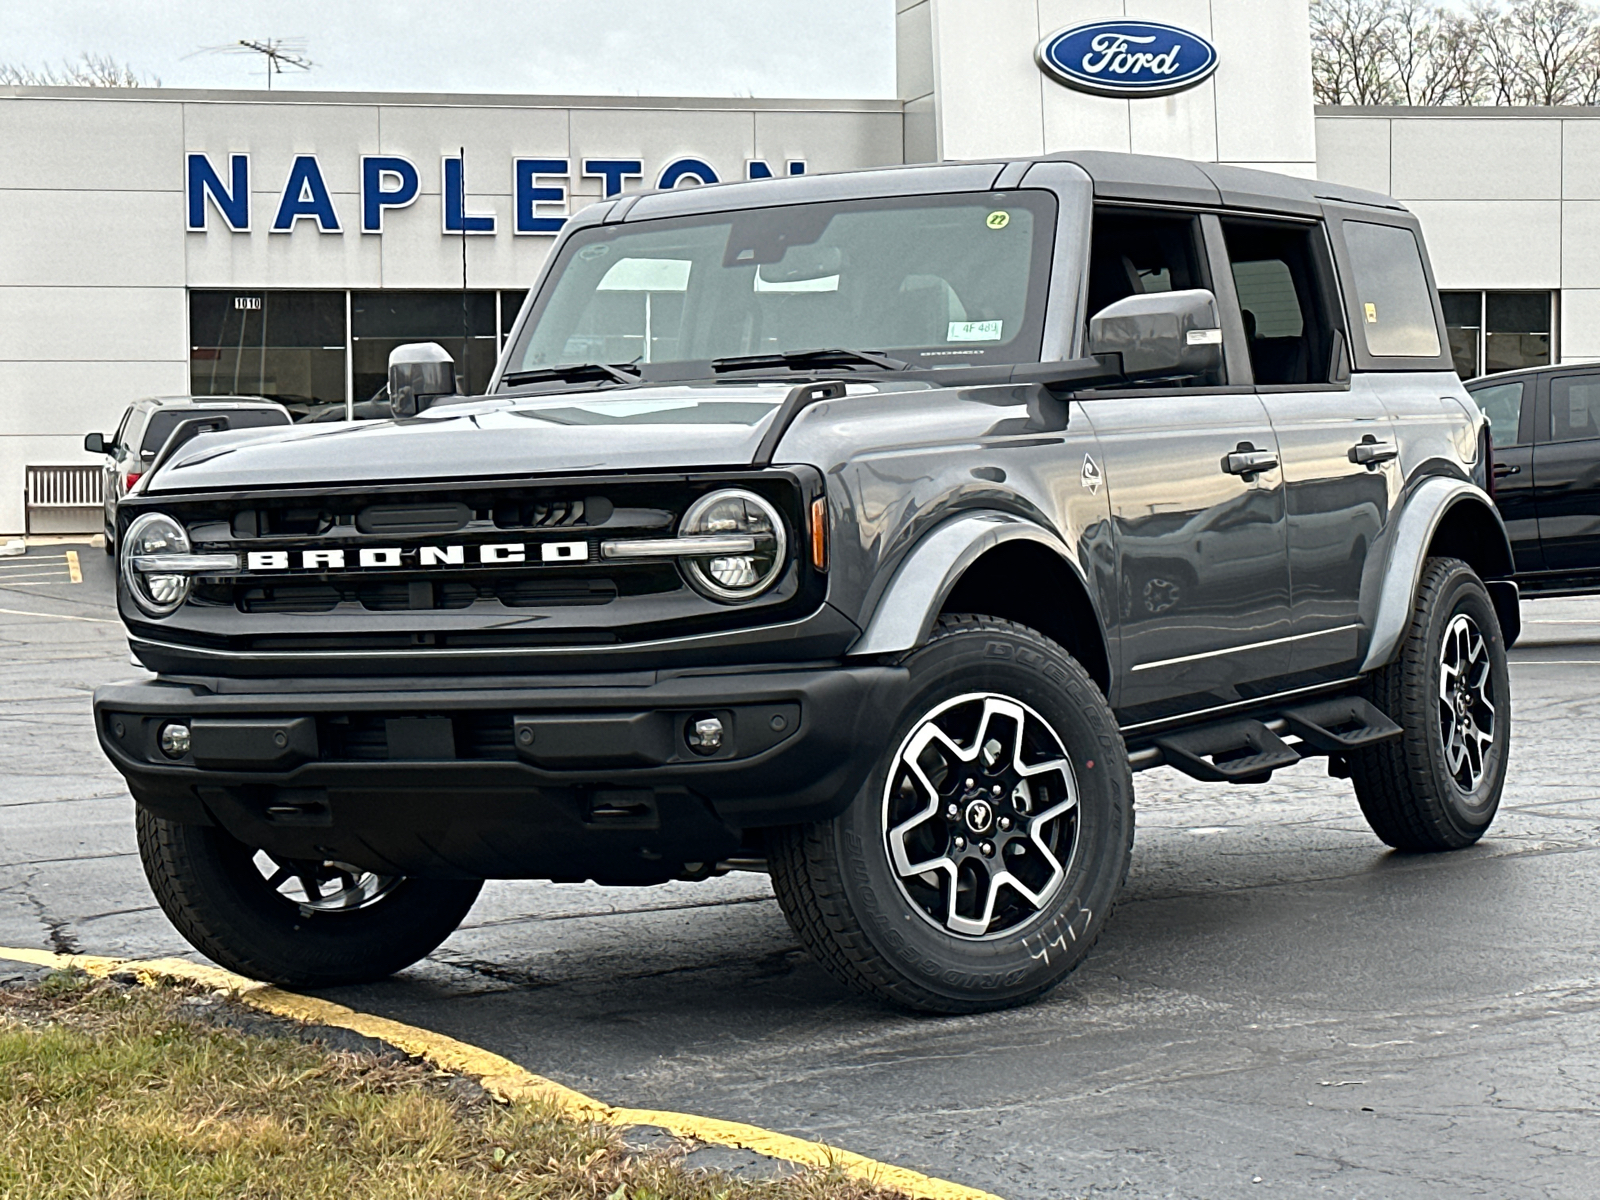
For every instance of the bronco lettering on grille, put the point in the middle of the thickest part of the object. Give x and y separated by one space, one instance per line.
380 558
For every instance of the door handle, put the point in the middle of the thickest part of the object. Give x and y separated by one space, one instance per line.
1501 470
1369 451
1247 461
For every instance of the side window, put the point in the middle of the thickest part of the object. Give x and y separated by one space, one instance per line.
1134 253
116 438
1392 293
1281 275
1502 404
1574 408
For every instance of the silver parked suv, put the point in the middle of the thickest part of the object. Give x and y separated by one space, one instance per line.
869 529
144 430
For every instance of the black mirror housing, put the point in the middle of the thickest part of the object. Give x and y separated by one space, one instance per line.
1161 333
419 373
95 443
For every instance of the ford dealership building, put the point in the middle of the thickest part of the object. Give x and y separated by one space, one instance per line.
160 242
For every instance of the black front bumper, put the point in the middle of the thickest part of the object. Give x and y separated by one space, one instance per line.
587 777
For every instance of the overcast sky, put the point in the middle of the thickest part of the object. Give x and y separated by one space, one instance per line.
775 48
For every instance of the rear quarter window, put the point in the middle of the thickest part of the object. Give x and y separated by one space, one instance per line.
1394 305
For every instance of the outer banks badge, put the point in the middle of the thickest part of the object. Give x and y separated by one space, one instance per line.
1092 478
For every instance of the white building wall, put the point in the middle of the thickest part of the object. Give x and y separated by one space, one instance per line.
1509 198
95 260
972 88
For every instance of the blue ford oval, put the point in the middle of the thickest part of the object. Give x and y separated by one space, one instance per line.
1127 58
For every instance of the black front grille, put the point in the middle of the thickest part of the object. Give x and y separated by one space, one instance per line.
416 595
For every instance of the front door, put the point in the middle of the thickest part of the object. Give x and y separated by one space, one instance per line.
1566 470
1196 498
1201 549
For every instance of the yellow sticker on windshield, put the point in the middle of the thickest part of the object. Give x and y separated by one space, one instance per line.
998 220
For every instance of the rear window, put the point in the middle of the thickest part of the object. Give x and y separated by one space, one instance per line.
1394 304
1574 408
163 422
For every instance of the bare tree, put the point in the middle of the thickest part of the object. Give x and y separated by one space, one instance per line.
1553 37
1348 63
90 70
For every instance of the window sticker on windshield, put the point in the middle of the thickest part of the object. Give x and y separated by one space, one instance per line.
1372 313
998 219
974 331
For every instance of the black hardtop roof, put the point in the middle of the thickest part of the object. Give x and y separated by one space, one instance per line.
1115 176
1184 181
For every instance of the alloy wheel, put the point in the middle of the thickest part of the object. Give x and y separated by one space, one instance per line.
323 887
1466 701
980 815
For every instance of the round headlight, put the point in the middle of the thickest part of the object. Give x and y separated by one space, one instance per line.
736 576
155 533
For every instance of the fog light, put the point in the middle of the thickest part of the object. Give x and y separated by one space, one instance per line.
705 735
174 740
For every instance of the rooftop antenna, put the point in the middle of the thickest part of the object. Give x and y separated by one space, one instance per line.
279 53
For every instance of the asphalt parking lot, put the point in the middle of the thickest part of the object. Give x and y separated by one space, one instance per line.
1279 1006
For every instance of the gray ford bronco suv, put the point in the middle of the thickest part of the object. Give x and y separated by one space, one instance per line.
868 529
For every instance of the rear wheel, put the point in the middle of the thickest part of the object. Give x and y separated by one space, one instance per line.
292 922
1438 787
980 861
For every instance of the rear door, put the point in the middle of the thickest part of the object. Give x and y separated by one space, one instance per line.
1201 548
1509 405
1337 441
1566 470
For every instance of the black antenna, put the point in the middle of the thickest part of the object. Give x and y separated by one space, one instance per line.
466 329
278 52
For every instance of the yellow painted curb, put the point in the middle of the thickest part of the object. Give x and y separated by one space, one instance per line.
503 1078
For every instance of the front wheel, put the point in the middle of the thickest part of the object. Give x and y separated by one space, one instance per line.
981 860
1438 786
295 923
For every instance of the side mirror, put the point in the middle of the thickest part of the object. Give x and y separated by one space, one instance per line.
419 373
95 443
1161 333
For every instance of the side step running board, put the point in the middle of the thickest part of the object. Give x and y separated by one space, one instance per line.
1242 751
1245 750
1340 725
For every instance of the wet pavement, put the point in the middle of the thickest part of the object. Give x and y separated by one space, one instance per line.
1280 1005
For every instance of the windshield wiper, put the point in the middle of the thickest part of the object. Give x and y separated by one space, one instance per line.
800 360
574 373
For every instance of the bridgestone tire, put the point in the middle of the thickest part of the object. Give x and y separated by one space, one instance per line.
212 892
1406 788
844 898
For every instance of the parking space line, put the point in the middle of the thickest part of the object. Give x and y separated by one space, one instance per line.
504 1079
26 612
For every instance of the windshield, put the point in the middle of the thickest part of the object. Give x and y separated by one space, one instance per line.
933 280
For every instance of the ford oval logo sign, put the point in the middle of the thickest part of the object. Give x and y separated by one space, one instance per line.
1127 58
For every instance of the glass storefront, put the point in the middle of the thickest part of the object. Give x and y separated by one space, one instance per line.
1499 331
286 346
462 322
315 350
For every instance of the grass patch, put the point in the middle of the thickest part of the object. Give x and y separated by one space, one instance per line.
126 1093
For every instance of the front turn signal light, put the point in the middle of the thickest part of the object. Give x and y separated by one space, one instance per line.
819 533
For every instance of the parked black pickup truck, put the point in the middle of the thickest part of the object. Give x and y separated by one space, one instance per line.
1546 427
869 529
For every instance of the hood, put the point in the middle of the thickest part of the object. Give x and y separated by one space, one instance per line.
670 426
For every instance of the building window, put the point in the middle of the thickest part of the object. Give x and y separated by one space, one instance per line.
286 346
1499 331
510 306
462 322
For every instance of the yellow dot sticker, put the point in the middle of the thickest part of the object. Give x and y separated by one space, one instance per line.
998 220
